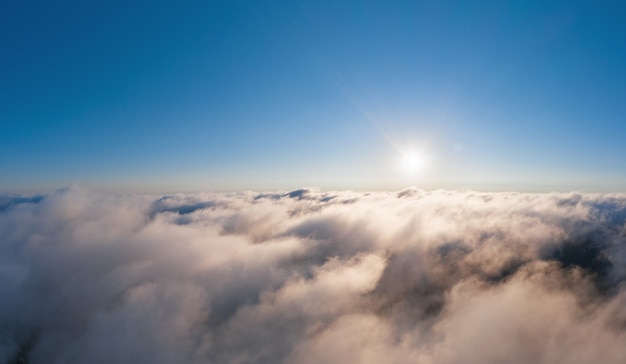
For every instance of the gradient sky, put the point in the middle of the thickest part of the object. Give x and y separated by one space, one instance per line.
223 95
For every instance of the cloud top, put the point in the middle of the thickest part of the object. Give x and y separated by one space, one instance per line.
313 277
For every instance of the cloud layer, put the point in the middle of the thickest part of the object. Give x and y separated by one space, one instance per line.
312 277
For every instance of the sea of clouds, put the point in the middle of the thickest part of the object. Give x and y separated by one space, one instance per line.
313 277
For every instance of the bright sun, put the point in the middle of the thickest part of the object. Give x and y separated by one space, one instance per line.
412 162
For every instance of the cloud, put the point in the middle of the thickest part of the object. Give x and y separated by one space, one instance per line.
313 277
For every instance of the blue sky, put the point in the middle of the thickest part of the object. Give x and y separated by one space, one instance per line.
226 95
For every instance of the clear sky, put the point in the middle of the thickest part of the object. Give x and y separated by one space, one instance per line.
224 95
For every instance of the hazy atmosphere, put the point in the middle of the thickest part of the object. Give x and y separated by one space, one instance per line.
317 182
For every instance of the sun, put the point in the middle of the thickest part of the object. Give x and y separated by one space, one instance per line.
412 162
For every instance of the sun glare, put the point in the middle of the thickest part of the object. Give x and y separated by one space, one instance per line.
412 162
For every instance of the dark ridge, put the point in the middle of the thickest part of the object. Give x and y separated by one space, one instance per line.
22 355
419 303
271 196
187 209
587 254
452 256
164 198
410 192
349 201
409 284
453 251
298 194
505 272
181 209
7 202
613 212
569 201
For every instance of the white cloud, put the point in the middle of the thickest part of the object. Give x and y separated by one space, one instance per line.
312 277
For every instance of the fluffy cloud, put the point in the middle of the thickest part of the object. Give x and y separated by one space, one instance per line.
312 277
